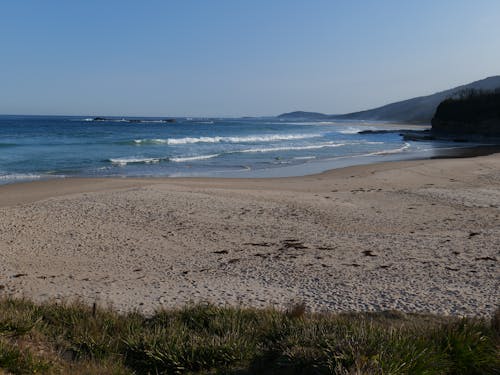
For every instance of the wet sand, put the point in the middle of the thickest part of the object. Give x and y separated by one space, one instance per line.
417 236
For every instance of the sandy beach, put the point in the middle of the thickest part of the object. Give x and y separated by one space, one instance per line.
416 236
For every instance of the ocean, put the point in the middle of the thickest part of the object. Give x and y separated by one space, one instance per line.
42 147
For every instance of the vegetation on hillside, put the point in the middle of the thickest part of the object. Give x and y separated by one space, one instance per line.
470 107
77 339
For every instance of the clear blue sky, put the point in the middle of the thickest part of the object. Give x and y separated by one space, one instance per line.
234 57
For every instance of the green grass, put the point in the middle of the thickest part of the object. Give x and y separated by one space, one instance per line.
72 338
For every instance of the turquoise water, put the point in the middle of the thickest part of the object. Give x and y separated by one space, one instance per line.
37 147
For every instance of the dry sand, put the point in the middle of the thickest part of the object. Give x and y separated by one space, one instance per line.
418 236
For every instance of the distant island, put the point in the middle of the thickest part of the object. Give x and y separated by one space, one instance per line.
416 110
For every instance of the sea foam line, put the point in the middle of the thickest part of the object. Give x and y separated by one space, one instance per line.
392 151
355 130
27 176
218 139
20 176
125 161
292 148
192 158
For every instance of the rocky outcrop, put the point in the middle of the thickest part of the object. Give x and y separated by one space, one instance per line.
475 114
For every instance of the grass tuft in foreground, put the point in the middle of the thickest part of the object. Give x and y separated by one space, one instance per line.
74 338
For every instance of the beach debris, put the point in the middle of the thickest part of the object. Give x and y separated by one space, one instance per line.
325 248
487 258
221 252
368 253
263 244
293 244
472 234
19 275
262 255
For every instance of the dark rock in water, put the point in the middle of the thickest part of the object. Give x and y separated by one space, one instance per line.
418 136
379 131
99 119
472 114
169 120
408 135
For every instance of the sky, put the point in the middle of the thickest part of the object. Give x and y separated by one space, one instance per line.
237 58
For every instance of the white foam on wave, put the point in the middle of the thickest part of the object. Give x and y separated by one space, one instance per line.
193 158
20 176
320 123
150 141
304 157
6 178
392 151
294 148
219 139
352 130
125 161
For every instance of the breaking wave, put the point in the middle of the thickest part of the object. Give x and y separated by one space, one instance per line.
193 158
126 161
354 130
294 148
392 151
246 139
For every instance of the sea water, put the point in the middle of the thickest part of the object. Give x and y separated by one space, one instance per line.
39 147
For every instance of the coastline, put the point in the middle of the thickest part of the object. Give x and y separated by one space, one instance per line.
356 238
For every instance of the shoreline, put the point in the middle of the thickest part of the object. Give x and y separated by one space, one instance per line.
358 238
311 167
15 192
